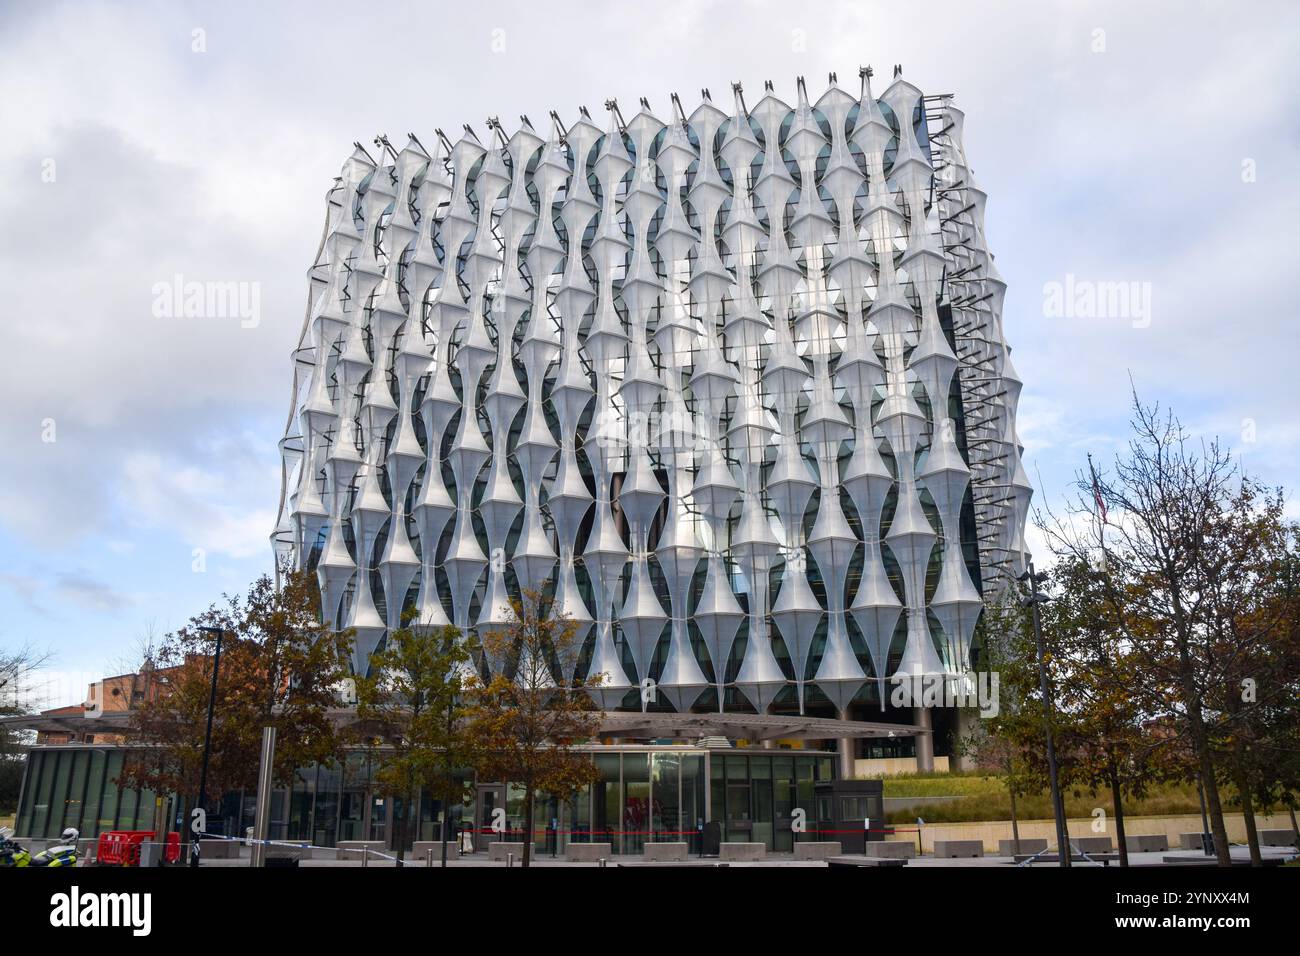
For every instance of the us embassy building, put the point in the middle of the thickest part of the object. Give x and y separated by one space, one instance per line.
730 389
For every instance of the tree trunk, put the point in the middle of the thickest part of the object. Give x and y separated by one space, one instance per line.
1204 759
405 816
1202 745
1118 802
1015 822
1242 781
399 838
528 825
446 826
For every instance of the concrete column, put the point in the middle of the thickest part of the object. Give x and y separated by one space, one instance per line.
846 751
924 741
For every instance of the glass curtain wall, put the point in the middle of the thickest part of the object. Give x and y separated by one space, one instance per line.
755 795
77 787
638 796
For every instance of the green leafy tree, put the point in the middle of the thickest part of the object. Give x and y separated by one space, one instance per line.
1101 720
1010 741
525 720
409 705
1252 619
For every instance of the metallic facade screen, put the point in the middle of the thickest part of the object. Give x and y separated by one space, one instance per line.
730 388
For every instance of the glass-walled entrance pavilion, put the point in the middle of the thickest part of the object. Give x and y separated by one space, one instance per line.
667 794
642 793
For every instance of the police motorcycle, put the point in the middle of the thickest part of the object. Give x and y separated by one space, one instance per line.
64 853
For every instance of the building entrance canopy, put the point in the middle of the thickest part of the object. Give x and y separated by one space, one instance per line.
754 727
635 726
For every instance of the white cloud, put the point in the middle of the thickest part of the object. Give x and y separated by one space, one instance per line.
205 508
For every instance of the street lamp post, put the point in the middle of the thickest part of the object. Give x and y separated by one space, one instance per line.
207 740
1058 809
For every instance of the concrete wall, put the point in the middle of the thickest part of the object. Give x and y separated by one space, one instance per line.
889 766
1170 826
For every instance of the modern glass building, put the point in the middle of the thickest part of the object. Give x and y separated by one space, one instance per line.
729 388
652 793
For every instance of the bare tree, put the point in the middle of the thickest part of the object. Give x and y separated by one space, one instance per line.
18 668
1158 552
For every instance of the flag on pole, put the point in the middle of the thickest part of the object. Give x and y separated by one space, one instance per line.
1096 492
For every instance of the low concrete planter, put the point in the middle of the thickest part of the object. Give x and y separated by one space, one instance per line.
1093 844
1147 843
817 850
952 849
218 850
498 851
1027 845
892 850
420 850
742 851
588 852
1277 838
665 852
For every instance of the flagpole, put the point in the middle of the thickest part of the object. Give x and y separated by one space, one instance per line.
1100 508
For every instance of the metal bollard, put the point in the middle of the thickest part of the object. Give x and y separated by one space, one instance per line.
510 860
429 857
602 862
365 856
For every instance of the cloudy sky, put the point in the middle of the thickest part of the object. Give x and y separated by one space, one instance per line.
1153 144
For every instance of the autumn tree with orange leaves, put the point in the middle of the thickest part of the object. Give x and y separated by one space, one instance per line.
526 718
280 667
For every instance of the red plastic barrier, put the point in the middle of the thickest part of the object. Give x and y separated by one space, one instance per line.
122 847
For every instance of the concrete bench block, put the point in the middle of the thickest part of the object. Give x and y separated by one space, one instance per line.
588 852
742 851
1028 845
818 850
498 851
219 849
892 850
951 849
420 850
1147 843
666 852
1192 841
1092 844
1277 838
